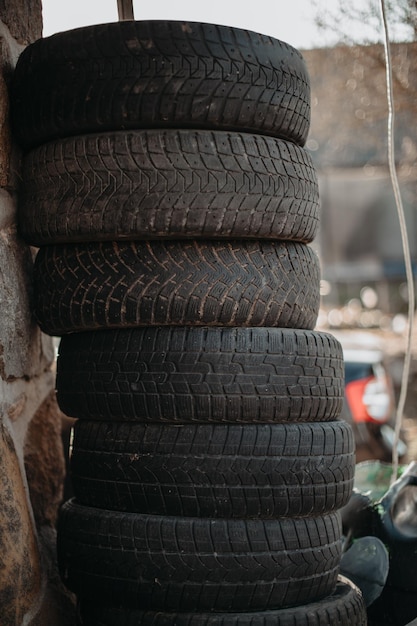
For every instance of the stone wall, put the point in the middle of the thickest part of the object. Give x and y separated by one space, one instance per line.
32 464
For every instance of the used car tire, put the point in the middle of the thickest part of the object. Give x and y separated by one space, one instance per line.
91 286
159 73
220 470
197 374
168 563
344 607
168 184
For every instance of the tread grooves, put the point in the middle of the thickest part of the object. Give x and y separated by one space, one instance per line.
223 558
191 374
89 286
121 467
54 75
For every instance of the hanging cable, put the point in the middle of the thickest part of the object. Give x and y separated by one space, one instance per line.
406 247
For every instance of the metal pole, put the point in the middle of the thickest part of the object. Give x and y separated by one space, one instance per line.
125 10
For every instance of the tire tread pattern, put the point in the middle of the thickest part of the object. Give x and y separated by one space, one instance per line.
104 285
193 374
250 471
159 73
344 607
180 563
169 184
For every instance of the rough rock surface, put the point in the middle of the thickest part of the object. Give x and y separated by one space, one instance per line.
44 462
23 18
20 569
32 465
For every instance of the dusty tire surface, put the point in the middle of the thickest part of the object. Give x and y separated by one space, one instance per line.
197 564
169 184
240 471
193 374
343 607
159 73
104 285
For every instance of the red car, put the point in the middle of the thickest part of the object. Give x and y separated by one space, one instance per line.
369 396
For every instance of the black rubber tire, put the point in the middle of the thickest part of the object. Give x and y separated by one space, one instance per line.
159 73
344 607
168 184
191 374
91 286
248 472
197 564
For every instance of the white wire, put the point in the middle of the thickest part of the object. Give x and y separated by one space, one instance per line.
406 248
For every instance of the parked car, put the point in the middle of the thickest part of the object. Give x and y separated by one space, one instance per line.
369 404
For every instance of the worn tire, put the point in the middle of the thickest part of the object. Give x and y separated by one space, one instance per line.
251 471
159 73
168 184
91 286
343 607
197 564
190 374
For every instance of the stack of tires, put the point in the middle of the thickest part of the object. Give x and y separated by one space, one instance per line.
171 199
